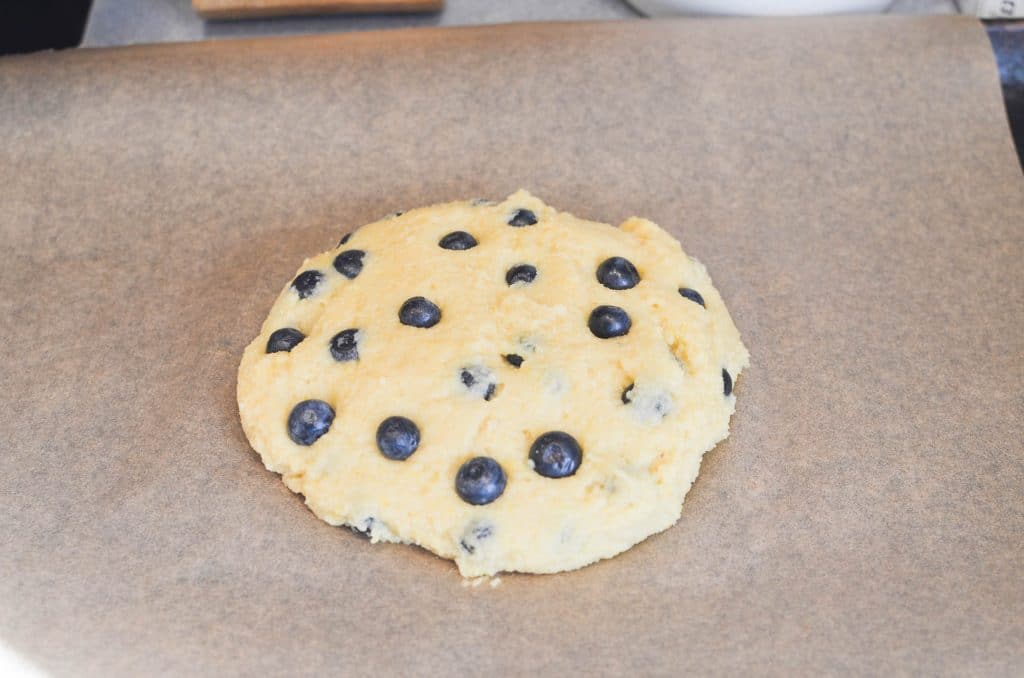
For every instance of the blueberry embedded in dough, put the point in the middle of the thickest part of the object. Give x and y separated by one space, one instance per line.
344 345
618 273
345 238
726 382
398 438
607 322
648 404
521 274
284 339
309 421
556 454
306 283
692 295
528 344
513 359
475 536
458 240
349 263
522 217
364 527
479 381
480 481
419 312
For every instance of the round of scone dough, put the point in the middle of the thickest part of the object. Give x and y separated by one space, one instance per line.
506 385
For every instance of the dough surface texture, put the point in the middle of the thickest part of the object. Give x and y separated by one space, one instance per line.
503 384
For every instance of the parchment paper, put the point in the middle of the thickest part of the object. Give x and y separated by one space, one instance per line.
850 183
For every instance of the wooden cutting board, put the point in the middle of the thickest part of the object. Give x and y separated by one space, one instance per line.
243 9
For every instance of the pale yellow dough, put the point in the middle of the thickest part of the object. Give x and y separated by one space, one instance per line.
638 462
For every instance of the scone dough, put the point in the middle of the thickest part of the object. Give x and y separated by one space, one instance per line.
507 283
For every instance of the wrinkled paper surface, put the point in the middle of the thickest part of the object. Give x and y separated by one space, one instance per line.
850 184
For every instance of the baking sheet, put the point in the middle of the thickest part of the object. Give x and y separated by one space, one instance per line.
850 184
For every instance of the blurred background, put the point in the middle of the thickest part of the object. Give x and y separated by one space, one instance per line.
30 25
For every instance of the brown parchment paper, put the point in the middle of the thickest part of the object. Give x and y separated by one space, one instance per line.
850 183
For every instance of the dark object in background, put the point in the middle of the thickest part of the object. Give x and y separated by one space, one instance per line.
248 9
33 25
1007 39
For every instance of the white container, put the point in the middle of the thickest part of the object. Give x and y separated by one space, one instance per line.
758 7
994 9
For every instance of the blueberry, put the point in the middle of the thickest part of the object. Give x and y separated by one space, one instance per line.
475 535
617 273
344 239
306 282
726 382
397 438
480 481
284 339
609 321
419 312
523 217
479 381
649 404
513 359
556 455
692 295
458 240
522 273
345 345
349 263
364 528
309 420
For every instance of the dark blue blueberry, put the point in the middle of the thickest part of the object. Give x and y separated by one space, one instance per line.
284 339
522 273
523 217
480 481
479 381
419 312
726 382
305 283
609 321
458 240
513 359
692 295
397 438
627 395
349 263
556 455
345 345
617 273
309 420
344 239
